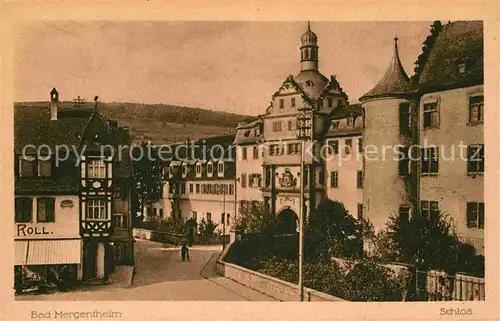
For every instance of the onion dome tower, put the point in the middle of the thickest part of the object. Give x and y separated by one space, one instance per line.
309 50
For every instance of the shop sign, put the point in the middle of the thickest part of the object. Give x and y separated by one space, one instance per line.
25 230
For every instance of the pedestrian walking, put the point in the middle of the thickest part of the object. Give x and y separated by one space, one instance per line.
183 252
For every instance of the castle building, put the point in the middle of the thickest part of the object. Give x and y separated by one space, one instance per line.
64 203
387 156
268 163
441 111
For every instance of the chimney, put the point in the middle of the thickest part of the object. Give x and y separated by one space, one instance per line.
54 104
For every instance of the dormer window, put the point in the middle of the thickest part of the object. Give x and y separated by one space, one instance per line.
184 170
210 169
335 124
220 169
96 169
293 102
257 131
198 169
309 83
462 68
282 103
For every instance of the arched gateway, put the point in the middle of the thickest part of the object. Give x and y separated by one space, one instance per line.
287 221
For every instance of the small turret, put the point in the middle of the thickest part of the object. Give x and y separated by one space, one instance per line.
54 104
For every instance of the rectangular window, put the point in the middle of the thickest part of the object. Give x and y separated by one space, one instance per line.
293 148
335 124
96 168
334 179
195 216
289 125
360 145
277 126
191 188
161 212
183 188
231 189
404 161
243 180
429 209
430 160
333 146
475 215
96 210
197 188
404 212
24 209
198 170
118 221
255 152
431 115
476 109
360 211
220 168
330 102
26 166
210 169
321 177
44 168
282 103
404 119
244 153
228 222
348 146
222 220
475 159
209 216
293 102
359 179
45 209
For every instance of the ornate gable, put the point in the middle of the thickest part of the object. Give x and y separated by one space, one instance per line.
289 86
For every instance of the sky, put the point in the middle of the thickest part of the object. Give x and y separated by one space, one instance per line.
225 66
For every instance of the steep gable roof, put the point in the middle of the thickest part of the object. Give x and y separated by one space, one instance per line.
33 126
457 42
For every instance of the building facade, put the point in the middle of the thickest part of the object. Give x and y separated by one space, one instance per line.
378 157
441 111
199 184
63 202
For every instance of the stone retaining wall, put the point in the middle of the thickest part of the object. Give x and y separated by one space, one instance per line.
276 288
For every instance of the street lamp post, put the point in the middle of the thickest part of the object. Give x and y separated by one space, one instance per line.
304 126
224 216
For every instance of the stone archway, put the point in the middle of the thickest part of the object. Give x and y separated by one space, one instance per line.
287 221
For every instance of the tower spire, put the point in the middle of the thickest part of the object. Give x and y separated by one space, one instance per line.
395 79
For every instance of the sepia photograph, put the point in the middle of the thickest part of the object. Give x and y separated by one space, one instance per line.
249 161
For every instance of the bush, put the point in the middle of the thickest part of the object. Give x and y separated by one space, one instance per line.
331 231
370 281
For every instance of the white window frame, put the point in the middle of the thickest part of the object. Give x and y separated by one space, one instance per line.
101 205
210 169
220 168
96 164
184 169
431 100
198 170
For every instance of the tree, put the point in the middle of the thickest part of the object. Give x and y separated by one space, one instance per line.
330 230
147 177
207 227
254 219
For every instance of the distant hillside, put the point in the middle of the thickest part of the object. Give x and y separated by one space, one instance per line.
161 123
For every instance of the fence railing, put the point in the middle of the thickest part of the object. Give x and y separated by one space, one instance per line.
438 286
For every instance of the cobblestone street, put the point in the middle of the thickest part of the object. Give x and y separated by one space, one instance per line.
161 275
